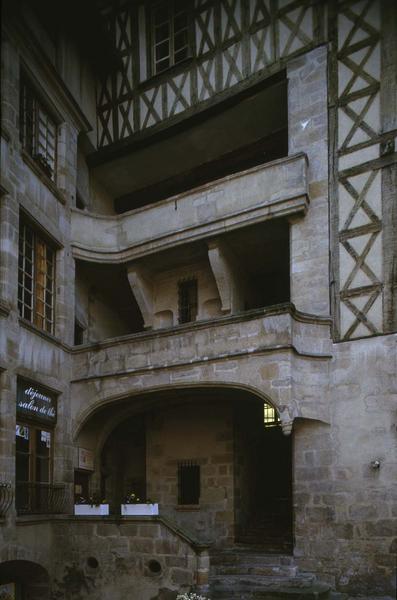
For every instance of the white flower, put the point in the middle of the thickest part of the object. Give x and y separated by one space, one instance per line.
190 596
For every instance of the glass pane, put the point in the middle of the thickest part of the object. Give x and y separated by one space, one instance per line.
179 6
22 435
43 449
180 41
42 470
181 55
160 13
180 22
162 33
162 51
162 65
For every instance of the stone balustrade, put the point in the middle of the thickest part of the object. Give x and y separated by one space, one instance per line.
258 350
275 189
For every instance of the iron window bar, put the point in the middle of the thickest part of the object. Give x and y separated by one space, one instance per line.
6 497
39 498
187 300
189 485
38 130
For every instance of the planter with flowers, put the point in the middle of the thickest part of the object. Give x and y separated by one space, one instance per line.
134 506
92 506
191 596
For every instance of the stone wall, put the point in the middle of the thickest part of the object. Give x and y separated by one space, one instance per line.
201 433
345 506
111 560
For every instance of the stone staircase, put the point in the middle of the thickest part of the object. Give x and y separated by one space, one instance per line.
248 574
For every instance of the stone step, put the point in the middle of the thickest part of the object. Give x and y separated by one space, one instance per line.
254 569
252 582
238 556
315 591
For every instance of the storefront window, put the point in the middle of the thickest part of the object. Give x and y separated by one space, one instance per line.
36 417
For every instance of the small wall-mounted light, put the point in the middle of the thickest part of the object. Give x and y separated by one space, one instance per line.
375 464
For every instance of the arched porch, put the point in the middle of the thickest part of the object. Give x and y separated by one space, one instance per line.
206 454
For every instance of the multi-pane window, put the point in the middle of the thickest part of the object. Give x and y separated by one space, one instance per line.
187 300
188 483
36 270
33 466
38 130
170 33
270 416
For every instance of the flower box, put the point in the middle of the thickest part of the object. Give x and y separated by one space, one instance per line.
139 509
91 510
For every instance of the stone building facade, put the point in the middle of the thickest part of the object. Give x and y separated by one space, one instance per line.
198 298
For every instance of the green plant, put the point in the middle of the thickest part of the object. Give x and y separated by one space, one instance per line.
93 500
132 498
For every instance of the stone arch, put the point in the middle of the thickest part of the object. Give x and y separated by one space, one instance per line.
88 413
28 576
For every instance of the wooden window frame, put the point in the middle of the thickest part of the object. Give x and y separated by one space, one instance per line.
155 71
28 497
36 277
38 129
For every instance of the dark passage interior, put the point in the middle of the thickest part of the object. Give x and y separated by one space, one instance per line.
248 129
123 463
263 479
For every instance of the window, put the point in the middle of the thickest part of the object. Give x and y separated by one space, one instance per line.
36 271
78 334
188 483
170 34
36 412
270 416
33 467
187 300
38 130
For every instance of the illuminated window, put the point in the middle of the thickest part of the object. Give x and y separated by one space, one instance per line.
170 33
270 416
38 130
36 270
187 300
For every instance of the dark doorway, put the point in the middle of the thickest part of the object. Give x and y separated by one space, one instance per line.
123 463
24 580
263 479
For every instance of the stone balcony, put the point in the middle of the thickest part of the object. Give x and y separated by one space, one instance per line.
277 353
275 189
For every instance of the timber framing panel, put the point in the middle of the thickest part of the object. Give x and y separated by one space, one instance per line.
238 42
362 93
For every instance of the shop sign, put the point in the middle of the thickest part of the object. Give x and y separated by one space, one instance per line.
86 459
35 402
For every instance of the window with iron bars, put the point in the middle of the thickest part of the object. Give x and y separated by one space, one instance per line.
170 33
36 272
187 300
188 483
38 130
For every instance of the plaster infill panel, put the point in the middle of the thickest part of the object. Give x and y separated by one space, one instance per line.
276 189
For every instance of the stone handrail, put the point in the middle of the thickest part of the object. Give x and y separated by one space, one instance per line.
275 189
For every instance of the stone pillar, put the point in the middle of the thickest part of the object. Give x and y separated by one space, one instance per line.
308 132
